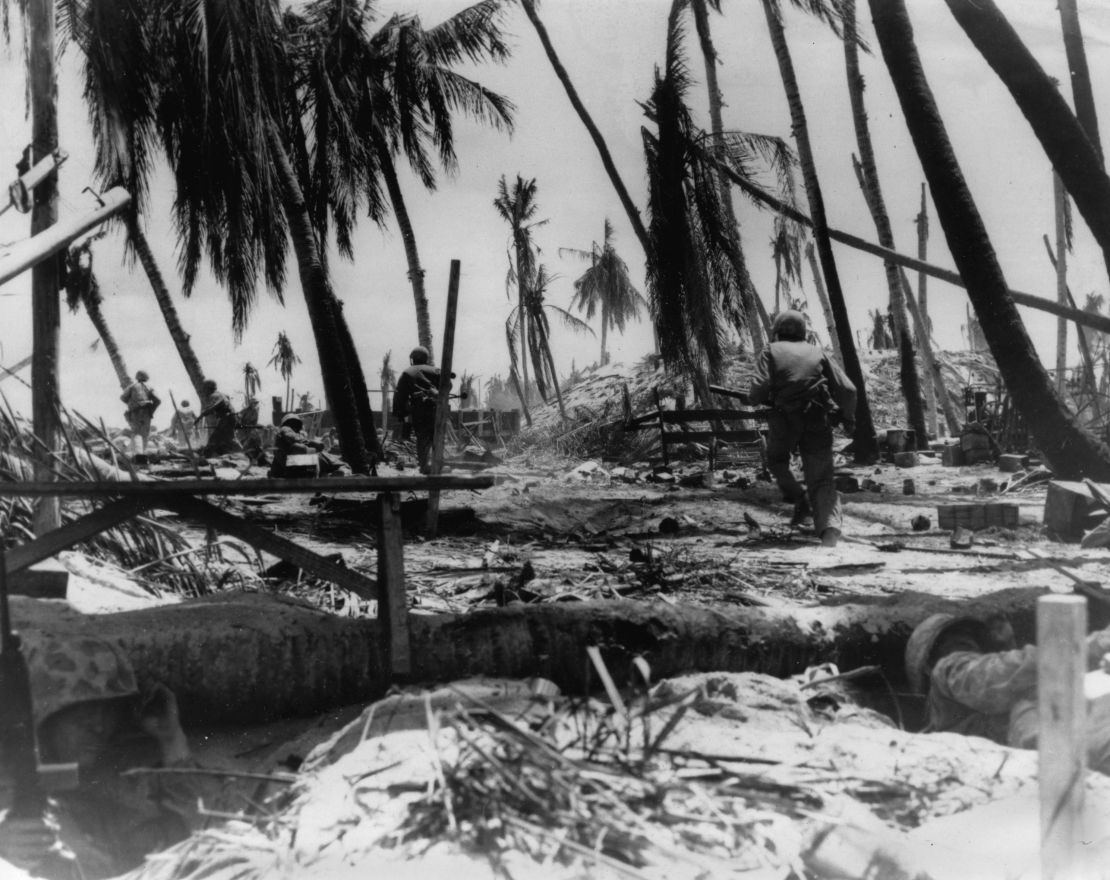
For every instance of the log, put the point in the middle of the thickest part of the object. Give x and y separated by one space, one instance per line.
252 657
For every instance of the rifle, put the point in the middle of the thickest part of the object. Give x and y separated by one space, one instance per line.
742 396
17 722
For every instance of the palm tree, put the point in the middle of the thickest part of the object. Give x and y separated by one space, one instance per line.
1070 451
284 359
864 445
387 378
606 288
873 194
517 207
754 322
531 324
82 289
595 134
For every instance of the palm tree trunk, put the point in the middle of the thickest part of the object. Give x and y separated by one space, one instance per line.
353 370
321 313
1082 94
545 345
416 271
873 195
165 303
1070 451
755 327
515 379
864 446
932 367
599 142
604 331
826 307
921 221
1064 141
1060 203
96 315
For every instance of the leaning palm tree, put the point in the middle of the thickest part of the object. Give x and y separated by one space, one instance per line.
82 289
605 288
517 206
284 359
1070 451
864 446
1081 91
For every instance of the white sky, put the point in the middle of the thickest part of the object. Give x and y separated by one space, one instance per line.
610 48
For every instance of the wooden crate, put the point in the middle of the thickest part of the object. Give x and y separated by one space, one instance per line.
977 516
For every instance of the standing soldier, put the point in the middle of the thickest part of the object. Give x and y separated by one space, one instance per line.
183 426
415 400
141 403
221 430
809 395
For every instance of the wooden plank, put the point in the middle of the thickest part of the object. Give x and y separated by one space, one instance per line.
275 545
64 537
1061 742
157 490
392 603
685 416
672 437
443 404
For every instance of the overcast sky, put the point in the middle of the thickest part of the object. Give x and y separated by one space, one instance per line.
610 48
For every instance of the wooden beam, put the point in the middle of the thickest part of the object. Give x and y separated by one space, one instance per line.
1062 746
21 256
268 542
157 489
392 603
64 537
442 405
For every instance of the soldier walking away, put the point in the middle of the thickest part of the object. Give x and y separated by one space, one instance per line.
141 403
183 425
221 421
976 682
415 400
87 710
809 395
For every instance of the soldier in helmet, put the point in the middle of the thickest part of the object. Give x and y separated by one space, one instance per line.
141 403
810 395
88 710
976 682
292 440
222 421
415 400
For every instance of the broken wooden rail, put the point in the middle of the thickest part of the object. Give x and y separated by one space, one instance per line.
125 500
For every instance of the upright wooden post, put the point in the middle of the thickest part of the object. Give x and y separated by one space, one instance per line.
922 223
443 404
1062 746
45 305
1061 283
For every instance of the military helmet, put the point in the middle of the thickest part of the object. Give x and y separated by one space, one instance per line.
142 376
789 325
290 418
919 649
74 669
209 385
420 355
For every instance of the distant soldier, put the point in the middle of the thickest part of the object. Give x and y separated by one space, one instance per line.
183 425
221 421
87 709
415 401
291 440
810 395
141 402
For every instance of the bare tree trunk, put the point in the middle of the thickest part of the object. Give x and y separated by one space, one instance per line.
1060 203
1064 141
45 298
921 221
746 289
1070 451
826 307
873 196
932 366
165 304
96 316
408 236
604 331
1082 94
595 134
515 379
864 445
1089 374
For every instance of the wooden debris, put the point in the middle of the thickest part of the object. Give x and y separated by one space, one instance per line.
961 539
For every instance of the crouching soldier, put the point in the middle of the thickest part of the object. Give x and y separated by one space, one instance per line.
810 395
976 682
415 402
87 710
291 440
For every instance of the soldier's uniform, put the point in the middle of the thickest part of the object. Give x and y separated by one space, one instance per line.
415 398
